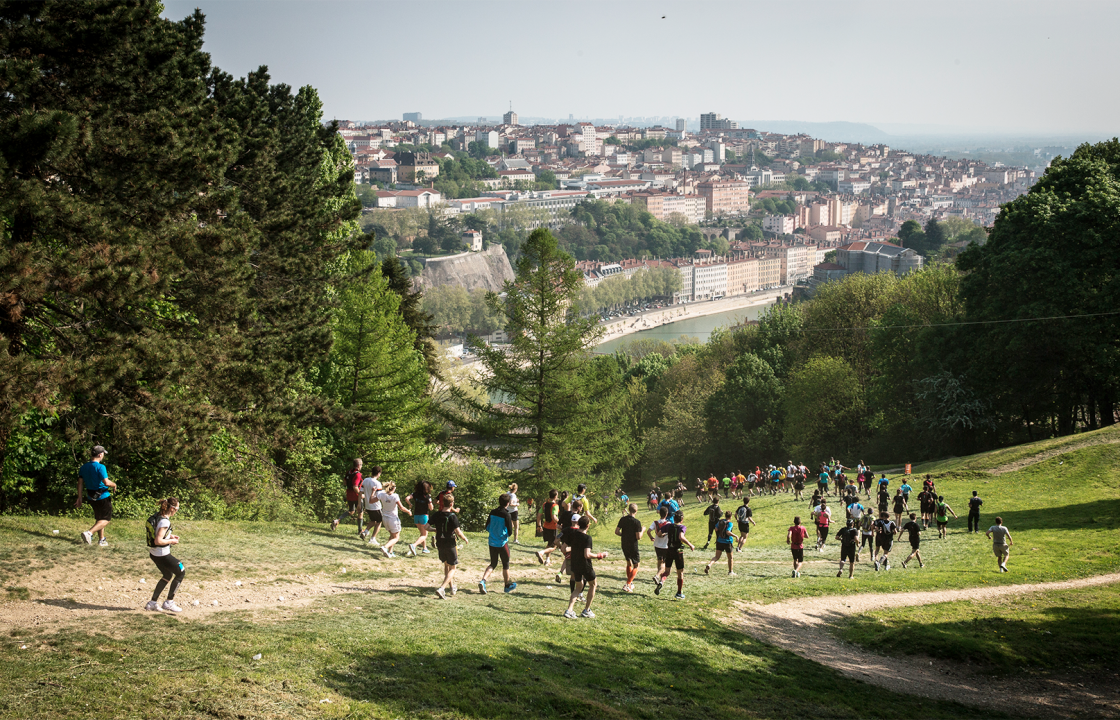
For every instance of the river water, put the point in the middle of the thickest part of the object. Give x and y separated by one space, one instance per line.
696 327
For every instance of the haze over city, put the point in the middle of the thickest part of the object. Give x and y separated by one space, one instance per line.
994 68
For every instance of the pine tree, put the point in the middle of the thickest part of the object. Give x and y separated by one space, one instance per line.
412 311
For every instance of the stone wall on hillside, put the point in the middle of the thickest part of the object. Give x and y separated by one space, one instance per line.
487 269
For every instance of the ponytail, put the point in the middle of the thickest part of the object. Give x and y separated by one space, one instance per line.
165 506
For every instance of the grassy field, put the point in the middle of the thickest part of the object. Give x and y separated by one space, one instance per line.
392 649
1056 631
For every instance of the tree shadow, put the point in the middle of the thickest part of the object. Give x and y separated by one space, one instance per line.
1098 515
74 605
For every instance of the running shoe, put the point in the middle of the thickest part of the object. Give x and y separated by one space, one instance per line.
171 606
839 573
362 534
657 589
579 598
411 550
587 613
334 524
87 537
559 579
454 589
103 543
152 605
793 574
679 596
482 586
921 565
798 573
374 543
705 546
570 614
540 556
732 574
876 566
510 588
441 593
706 569
427 551
386 553
887 566
903 564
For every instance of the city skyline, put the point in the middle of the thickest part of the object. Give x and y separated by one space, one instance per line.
1001 67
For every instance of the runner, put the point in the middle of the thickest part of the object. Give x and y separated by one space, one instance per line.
899 506
849 548
855 509
1001 543
822 481
583 574
652 500
906 490
883 498
656 533
701 490
974 504
353 485
884 540
822 516
795 538
446 526
725 484
94 480
629 528
160 540
744 517
725 540
500 527
867 533
675 553
448 490
915 532
713 485
371 485
390 506
926 502
421 502
514 505
943 513
799 483
714 514
547 520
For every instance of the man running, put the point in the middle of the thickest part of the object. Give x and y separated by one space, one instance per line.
547 520
822 481
714 514
915 532
849 546
500 527
884 540
974 504
629 528
1001 543
822 516
795 538
94 480
674 532
446 526
744 517
943 513
656 533
371 486
353 485
926 502
724 540
583 574
899 506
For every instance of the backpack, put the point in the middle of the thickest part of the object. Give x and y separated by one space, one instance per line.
723 530
673 533
741 514
348 480
150 528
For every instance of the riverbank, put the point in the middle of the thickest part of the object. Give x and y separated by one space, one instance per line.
651 319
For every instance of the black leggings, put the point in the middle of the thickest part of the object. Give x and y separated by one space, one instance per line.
173 572
974 522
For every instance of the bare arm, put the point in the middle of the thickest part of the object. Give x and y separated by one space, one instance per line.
78 504
163 539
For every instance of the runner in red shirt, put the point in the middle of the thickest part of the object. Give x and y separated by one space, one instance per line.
795 538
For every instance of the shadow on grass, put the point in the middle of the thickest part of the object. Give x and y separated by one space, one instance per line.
1095 515
74 605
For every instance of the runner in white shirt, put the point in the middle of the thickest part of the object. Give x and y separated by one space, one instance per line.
660 544
390 506
370 487
514 503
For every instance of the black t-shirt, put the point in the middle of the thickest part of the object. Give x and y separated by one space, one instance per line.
743 513
899 503
714 514
848 537
445 524
974 504
926 498
578 541
884 496
630 527
565 518
566 535
420 503
914 529
886 530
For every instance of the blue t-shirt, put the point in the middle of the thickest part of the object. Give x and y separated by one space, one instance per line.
93 476
884 481
672 504
499 525
905 488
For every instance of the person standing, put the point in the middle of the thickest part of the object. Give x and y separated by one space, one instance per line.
724 542
714 514
795 538
499 527
94 480
421 502
656 532
849 547
744 517
160 540
583 574
914 530
371 486
514 506
1001 543
674 531
943 513
445 523
630 529
974 504
353 486
390 507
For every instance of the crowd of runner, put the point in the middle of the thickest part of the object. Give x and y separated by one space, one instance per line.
836 510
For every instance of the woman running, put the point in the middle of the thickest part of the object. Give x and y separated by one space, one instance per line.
514 504
421 502
390 505
160 541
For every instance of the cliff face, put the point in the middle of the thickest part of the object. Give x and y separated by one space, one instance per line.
487 269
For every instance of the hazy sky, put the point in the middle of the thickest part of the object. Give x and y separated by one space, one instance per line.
1016 66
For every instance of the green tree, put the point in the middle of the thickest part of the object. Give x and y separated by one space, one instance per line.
911 236
824 411
412 311
744 417
936 237
558 413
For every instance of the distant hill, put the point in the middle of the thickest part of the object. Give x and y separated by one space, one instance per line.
831 131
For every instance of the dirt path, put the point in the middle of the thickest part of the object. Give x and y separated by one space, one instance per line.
802 627
1047 454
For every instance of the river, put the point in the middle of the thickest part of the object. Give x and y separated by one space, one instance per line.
698 327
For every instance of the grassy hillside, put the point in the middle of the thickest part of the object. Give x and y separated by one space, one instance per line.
375 641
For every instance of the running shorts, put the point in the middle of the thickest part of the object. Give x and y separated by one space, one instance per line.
420 520
725 547
392 523
513 515
676 557
102 509
448 554
662 555
549 536
374 516
169 565
744 528
631 554
798 554
848 552
915 544
886 546
582 574
352 506
499 554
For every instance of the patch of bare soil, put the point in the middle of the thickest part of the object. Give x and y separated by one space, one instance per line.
1047 454
802 627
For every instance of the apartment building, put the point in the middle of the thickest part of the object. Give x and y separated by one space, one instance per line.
709 276
780 224
769 272
715 121
663 205
414 167
725 197
742 275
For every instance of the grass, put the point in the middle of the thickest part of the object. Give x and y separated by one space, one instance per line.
397 651
1054 631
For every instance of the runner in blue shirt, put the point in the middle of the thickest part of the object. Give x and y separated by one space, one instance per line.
94 480
500 527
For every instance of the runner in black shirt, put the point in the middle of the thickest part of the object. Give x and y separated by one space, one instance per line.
714 514
926 500
915 532
849 546
446 526
630 529
974 504
583 574
884 540
899 506
744 516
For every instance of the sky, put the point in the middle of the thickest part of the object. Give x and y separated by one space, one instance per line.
1016 66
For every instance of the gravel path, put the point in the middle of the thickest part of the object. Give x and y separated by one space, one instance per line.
802 627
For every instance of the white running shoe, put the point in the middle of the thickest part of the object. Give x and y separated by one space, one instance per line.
103 543
570 614
87 537
440 592
387 553
540 556
876 565
152 605
427 551
454 589
587 613
334 524
374 543
411 550
170 606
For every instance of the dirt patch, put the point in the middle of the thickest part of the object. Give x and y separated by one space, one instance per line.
802 627
1047 454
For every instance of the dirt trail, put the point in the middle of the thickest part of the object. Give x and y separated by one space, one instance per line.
1047 454
802 627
